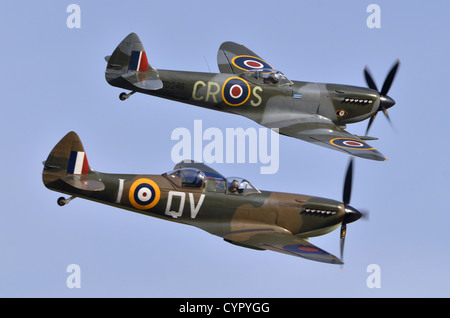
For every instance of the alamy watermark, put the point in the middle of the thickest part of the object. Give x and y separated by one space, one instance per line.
374 279
236 145
74 278
74 18
374 19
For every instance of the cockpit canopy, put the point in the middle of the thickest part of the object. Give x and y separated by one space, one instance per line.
195 178
187 177
266 76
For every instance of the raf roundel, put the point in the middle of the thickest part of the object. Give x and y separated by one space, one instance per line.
248 62
350 143
235 91
144 194
305 249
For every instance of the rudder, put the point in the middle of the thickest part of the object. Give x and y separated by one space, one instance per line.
67 157
129 61
68 162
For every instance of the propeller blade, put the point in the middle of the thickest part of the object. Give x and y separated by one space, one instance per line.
342 239
389 120
351 214
348 183
370 122
385 101
387 116
389 79
369 79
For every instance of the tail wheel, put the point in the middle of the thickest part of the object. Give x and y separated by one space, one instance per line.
61 201
123 96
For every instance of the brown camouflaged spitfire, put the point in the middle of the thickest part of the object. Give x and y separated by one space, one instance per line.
194 194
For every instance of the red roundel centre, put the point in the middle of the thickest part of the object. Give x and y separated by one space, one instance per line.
352 143
253 64
308 249
236 91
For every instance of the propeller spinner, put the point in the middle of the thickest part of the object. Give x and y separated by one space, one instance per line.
386 102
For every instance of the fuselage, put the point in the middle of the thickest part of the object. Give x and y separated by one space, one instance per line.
265 102
209 204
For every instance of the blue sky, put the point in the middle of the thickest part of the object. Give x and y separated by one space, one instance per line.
54 82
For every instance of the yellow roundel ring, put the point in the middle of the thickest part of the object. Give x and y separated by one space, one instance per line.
248 62
144 194
350 143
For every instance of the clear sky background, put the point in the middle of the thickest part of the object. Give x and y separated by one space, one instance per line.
53 82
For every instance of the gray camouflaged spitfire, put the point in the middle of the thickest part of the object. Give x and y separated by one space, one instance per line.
249 86
194 194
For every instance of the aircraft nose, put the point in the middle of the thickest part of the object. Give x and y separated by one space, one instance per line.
386 102
351 214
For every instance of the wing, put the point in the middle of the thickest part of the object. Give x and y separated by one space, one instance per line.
278 240
235 58
323 132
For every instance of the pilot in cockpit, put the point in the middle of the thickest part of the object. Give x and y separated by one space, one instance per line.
273 78
234 186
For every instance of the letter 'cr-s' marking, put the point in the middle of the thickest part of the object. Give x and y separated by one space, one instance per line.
196 87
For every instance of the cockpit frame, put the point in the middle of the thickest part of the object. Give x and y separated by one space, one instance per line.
195 178
267 76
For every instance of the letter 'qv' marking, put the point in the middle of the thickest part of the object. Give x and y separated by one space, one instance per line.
178 212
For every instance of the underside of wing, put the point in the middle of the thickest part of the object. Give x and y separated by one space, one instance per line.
279 240
323 132
234 58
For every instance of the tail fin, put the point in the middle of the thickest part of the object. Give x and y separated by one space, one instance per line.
129 61
68 162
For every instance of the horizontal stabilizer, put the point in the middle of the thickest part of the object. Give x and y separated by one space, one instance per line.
84 182
144 80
